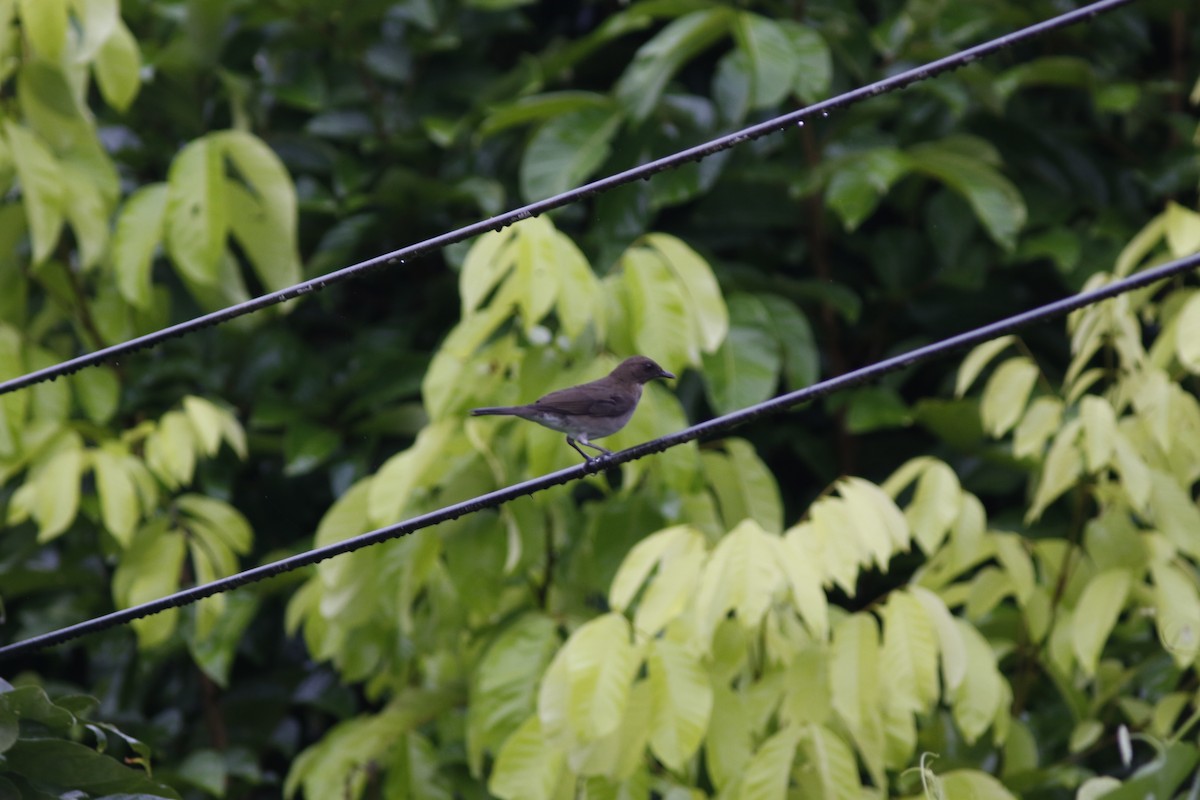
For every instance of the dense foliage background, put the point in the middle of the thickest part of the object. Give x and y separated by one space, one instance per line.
977 578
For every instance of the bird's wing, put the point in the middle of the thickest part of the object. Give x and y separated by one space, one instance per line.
592 402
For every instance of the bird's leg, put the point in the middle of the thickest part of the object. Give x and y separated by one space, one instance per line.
576 442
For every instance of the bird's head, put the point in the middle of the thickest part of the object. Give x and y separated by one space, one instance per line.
639 369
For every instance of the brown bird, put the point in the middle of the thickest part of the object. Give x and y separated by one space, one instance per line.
590 410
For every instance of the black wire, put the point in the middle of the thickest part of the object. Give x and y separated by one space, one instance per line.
500 221
707 429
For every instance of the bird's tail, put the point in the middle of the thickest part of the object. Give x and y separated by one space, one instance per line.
498 410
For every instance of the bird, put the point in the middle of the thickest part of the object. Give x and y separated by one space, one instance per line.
591 410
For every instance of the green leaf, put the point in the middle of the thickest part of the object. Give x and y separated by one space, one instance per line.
148 570
875 408
707 310
1095 615
982 696
727 747
995 200
45 24
909 657
641 85
801 358
196 216
1041 420
1187 335
662 328
490 258
42 185
773 63
935 505
306 447
1177 612
974 784
71 767
119 506
650 552
827 768
270 248
601 664
951 643
215 652
805 582
98 391
139 230
504 686
814 70
527 767
265 176
88 213
118 68
858 183
681 701
766 776
742 575
539 108
1099 432
745 369
745 488
1061 469
57 485
1006 393
567 150
1047 71
1183 230
223 521
536 278
578 289
856 691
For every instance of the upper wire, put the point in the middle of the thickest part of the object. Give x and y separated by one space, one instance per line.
703 430
897 81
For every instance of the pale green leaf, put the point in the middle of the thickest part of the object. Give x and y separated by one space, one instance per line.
856 691
88 212
536 277
196 214
43 185
119 506
150 569
981 697
742 575
1183 230
171 450
538 108
1060 470
950 639
45 24
139 231
727 747
527 767
579 296
1099 432
647 554
681 699
973 784
1175 512
935 505
827 768
658 305
1041 420
118 68
1007 392
977 360
393 485
766 776
909 657
503 688
670 592
706 306
1135 475
601 663
225 522
57 487
1095 615
805 583
490 258
1187 335
264 175
268 246
98 391
1177 612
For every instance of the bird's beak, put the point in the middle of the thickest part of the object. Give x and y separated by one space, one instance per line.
665 374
